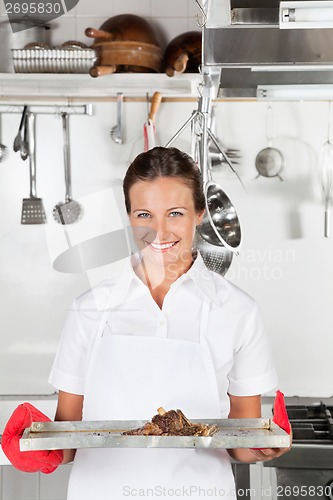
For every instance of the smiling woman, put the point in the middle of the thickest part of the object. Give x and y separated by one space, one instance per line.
165 203
166 331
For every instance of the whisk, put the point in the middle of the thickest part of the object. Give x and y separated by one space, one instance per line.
326 175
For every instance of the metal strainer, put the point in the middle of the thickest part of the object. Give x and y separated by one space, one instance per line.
270 161
68 211
216 258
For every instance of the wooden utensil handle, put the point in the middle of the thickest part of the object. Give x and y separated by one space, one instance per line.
180 63
104 35
155 102
96 71
170 71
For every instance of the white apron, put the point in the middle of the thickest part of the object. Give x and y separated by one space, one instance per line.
130 377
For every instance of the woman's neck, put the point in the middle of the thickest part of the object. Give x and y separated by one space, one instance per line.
159 279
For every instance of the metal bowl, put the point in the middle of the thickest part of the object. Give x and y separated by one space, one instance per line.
220 225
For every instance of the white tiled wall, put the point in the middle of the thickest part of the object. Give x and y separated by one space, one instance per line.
16 485
168 17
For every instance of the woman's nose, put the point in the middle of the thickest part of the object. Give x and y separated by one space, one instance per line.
162 229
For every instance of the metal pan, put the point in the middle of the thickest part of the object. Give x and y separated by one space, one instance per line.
232 433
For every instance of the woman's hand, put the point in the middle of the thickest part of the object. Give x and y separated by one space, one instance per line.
27 461
262 454
250 407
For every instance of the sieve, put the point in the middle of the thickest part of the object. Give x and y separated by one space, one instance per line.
270 161
216 258
68 211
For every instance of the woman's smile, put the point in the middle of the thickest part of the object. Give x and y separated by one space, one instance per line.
162 247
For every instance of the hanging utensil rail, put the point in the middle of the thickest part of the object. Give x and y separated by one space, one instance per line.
47 109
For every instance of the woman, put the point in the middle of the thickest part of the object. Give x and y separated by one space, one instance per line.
165 332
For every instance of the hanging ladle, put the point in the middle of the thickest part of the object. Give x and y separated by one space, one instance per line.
270 161
68 211
220 225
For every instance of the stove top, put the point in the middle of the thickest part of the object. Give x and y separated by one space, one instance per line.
311 424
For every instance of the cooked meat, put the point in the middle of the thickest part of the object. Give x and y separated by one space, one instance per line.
172 423
169 422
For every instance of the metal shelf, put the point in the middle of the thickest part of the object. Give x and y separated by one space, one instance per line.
67 86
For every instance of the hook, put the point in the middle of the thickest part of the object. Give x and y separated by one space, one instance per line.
204 16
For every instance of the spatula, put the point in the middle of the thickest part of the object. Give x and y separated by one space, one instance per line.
32 207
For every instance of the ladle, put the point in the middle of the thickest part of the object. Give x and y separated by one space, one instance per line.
116 131
220 225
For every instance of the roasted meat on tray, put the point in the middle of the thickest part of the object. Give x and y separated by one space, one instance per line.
172 423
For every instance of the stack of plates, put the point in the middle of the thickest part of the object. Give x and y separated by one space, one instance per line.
41 60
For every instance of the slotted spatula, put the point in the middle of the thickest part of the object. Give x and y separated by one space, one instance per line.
32 207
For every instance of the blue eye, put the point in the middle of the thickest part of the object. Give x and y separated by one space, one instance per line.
175 214
143 215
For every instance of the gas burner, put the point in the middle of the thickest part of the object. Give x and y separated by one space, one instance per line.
311 424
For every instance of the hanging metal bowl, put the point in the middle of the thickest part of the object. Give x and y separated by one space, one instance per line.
220 225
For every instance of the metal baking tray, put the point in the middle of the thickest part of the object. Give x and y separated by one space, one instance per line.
232 433
53 60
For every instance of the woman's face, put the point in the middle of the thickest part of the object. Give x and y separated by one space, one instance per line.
164 219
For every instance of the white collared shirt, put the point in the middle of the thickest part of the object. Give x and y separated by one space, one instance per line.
239 347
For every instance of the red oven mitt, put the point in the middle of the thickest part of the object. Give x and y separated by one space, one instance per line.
280 415
27 461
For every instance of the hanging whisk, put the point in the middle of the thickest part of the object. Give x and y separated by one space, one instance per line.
326 174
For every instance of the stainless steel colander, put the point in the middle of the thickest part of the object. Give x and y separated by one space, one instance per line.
216 258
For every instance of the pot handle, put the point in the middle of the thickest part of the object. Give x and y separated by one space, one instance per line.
179 65
96 71
104 35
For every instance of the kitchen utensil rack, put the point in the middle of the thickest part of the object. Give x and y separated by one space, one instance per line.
47 109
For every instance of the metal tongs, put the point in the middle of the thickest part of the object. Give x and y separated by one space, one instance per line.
21 142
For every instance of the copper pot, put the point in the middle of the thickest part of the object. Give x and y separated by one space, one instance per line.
125 27
125 43
183 54
127 57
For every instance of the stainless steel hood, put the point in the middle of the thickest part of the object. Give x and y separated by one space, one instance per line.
255 55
